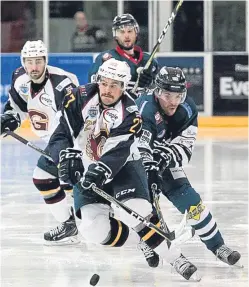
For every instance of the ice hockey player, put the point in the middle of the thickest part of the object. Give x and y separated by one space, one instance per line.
37 92
166 145
125 30
103 121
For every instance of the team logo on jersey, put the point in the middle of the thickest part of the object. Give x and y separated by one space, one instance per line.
106 57
24 88
46 100
93 112
110 115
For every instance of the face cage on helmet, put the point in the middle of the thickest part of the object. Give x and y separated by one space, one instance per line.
159 91
99 78
133 25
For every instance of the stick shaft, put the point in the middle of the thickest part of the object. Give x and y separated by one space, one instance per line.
29 144
134 214
159 41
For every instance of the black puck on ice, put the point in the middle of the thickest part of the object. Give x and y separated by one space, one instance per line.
94 280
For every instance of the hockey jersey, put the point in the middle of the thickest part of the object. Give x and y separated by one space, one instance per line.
104 135
40 106
138 60
178 133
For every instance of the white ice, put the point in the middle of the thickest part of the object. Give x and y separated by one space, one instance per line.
218 171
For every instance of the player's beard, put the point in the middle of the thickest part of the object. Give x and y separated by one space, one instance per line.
107 99
34 75
37 77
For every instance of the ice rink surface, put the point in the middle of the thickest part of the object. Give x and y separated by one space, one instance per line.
218 171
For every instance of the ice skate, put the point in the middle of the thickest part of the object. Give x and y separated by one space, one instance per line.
229 256
150 255
64 234
186 268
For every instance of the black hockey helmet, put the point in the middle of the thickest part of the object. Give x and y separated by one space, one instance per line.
172 80
121 21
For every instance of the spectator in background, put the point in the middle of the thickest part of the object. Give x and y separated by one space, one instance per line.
85 38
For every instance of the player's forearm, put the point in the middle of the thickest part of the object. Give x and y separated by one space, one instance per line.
61 139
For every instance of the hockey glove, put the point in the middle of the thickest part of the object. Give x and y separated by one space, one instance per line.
162 155
145 77
10 121
154 177
96 174
71 167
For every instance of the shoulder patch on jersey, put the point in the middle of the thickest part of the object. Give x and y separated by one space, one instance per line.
132 109
63 84
17 70
24 88
158 118
187 107
106 56
82 90
93 112
161 134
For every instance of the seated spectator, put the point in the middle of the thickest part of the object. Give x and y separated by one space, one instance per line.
86 38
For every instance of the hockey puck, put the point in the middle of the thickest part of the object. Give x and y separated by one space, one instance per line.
94 280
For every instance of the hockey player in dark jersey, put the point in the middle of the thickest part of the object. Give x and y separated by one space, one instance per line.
36 93
166 145
125 31
102 120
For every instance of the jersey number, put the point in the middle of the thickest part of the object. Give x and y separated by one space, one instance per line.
137 125
69 98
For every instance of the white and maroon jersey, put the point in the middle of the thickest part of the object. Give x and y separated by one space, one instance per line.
108 136
40 102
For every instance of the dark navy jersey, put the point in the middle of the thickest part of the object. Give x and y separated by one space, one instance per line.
108 136
138 60
178 133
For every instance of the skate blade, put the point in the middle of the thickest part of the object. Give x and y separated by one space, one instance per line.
238 264
72 240
196 277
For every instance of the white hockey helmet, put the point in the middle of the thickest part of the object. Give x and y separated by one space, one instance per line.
33 49
116 70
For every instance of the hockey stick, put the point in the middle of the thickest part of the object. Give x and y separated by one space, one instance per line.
159 212
28 143
182 237
170 237
159 41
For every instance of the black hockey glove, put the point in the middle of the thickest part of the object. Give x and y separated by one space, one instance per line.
96 174
71 167
162 155
10 121
154 177
145 77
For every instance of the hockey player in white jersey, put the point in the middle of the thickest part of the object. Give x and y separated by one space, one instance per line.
36 93
105 121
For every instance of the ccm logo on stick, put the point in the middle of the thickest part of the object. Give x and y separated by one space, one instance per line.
123 192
